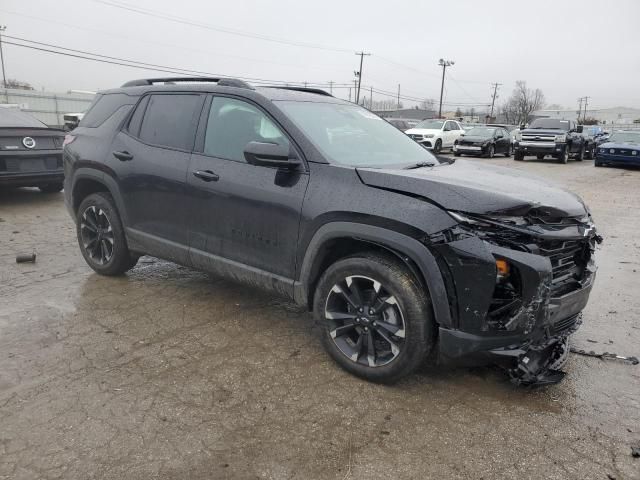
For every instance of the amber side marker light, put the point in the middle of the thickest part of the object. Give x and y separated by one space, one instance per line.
503 268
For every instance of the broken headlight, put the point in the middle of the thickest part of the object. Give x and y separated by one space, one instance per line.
488 221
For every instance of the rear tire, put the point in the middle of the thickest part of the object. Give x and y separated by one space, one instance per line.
54 187
101 236
379 336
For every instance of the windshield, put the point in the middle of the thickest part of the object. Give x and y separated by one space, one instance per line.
552 123
625 137
430 124
481 132
351 135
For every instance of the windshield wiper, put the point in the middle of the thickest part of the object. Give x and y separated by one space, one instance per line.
420 165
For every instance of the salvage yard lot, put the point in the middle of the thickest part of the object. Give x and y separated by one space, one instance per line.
168 373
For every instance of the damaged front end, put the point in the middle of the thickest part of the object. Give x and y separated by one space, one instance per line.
516 288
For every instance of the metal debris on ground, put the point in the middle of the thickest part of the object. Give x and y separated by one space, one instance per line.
26 258
635 452
606 355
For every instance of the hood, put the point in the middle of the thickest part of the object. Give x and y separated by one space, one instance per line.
620 146
475 138
481 189
422 131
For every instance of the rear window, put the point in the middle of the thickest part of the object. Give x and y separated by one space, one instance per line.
103 107
171 120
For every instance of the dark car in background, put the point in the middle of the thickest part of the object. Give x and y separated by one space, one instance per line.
591 136
549 136
484 141
401 257
30 152
402 124
621 148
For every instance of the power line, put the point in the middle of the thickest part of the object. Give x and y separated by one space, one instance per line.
217 28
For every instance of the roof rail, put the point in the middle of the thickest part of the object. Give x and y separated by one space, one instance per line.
303 89
222 82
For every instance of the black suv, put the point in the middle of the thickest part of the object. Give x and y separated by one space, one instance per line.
548 136
399 256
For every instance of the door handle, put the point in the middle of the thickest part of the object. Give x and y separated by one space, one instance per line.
123 156
206 175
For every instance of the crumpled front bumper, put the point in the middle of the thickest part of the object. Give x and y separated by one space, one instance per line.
527 342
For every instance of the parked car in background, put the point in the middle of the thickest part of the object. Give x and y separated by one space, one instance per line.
484 141
603 137
30 152
549 136
621 148
400 257
402 124
71 120
436 134
591 135
514 130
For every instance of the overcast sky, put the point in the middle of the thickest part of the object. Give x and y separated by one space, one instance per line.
566 50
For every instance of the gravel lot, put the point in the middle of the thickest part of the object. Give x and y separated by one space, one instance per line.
168 373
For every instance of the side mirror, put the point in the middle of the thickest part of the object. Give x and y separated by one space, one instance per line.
499 135
522 126
580 129
270 155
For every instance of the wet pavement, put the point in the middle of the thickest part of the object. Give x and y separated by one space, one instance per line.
168 373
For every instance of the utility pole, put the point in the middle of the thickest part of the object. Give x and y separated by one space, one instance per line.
4 77
371 98
398 96
580 108
355 90
444 64
331 87
359 73
586 100
493 100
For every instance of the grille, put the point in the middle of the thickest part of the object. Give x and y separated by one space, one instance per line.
538 138
564 325
416 136
568 262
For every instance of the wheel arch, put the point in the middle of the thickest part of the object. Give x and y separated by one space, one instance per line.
88 181
337 240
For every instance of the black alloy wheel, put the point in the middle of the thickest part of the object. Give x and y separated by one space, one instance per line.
101 236
375 316
491 152
365 321
437 148
564 156
97 235
509 151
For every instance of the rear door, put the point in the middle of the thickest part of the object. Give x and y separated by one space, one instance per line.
152 155
246 214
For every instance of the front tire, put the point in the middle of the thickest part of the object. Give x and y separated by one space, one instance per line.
580 154
101 236
564 156
54 187
509 151
375 318
518 156
491 152
437 147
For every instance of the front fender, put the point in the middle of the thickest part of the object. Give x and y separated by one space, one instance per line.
418 253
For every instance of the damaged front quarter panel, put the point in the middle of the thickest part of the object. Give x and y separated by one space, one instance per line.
521 321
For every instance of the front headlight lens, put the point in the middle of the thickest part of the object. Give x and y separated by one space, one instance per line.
561 138
429 135
612 150
634 152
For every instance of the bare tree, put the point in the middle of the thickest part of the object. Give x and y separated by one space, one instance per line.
387 104
428 104
17 84
522 102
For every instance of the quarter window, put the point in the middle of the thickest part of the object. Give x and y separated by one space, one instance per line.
232 124
170 121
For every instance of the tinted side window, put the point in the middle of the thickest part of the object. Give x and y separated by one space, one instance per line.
454 126
136 118
103 107
170 120
233 124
